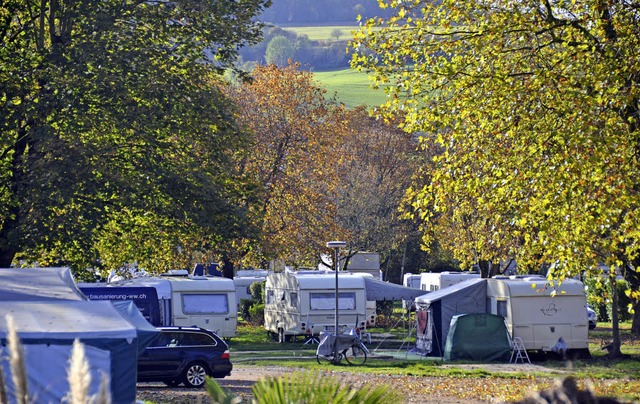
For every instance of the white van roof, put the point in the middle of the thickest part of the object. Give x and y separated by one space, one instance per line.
537 285
165 285
322 280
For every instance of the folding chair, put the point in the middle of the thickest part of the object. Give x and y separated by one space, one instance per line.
518 351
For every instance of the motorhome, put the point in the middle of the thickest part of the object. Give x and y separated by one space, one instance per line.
145 298
185 300
547 316
432 281
303 304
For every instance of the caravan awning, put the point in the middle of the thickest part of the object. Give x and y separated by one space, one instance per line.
379 290
471 289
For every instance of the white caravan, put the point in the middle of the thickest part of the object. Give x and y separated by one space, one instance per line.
243 284
432 281
203 301
364 262
304 303
541 314
410 281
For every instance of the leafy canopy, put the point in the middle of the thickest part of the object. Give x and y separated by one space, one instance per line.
111 109
529 110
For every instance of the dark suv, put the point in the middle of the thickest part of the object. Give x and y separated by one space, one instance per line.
184 355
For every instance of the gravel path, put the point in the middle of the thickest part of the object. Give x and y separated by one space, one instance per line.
416 389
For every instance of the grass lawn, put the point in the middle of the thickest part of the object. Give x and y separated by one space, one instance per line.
353 88
613 377
324 33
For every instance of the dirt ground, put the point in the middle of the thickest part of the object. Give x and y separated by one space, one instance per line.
415 389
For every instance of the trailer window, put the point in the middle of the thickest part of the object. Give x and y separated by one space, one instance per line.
205 304
293 297
270 297
327 301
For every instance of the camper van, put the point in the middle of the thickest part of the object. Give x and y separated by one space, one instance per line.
203 301
539 313
145 298
304 303
432 281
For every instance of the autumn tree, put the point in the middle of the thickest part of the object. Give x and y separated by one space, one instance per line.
112 127
535 106
377 163
293 158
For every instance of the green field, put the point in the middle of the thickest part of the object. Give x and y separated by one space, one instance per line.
323 33
351 87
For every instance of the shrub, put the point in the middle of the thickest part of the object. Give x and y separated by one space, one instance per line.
307 387
245 306
599 297
257 291
256 314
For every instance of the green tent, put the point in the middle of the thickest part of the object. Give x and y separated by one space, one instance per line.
478 337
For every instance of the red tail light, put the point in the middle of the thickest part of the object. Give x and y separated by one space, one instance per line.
225 355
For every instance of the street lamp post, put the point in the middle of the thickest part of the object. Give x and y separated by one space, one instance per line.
336 245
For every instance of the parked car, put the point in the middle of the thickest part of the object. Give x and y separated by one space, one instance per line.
184 355
591 315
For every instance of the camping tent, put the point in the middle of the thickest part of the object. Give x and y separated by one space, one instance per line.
434 312
29 284
50 315
479 337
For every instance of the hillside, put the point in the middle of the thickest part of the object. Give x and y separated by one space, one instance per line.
324 12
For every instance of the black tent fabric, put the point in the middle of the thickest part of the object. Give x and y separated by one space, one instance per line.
435 310
379 290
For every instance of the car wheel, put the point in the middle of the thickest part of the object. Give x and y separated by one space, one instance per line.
194 375
172 383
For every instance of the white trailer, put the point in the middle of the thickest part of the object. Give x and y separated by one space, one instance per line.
546 317
243 284
410 281
364 262
432 281
304 303
203 301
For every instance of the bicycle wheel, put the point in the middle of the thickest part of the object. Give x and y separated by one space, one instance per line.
324 359
355 355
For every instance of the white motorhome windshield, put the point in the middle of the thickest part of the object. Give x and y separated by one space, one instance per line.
205 304
327 301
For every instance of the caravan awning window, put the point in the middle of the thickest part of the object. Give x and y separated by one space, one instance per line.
205 303
327 301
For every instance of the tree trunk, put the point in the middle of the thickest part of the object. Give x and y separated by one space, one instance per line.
633 279
635 322
614 346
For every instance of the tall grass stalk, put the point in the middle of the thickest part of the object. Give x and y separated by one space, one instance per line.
78 376
104 396
16 360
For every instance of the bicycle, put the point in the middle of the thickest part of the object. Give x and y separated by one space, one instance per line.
349 346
